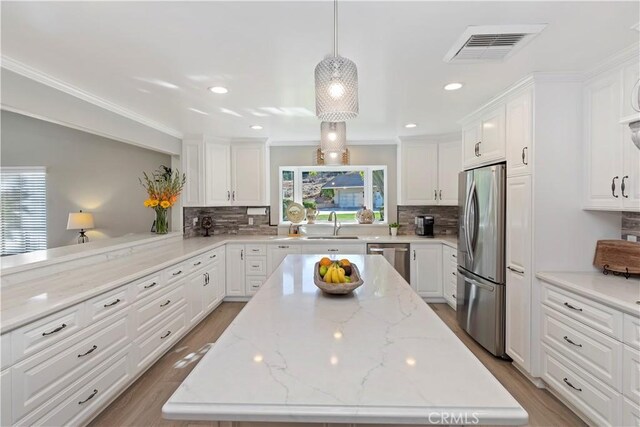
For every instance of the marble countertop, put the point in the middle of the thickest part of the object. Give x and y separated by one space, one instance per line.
614 291
31 300
380 355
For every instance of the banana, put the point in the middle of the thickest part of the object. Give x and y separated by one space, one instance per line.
327 276
334 276
341 277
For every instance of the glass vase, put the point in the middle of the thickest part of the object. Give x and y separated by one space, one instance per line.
162 223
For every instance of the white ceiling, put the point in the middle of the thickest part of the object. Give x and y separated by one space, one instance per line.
265 53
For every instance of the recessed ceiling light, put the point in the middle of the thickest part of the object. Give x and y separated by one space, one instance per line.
453 86
410 125
256 127
218 89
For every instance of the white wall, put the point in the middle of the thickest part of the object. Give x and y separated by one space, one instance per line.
84 171
360 155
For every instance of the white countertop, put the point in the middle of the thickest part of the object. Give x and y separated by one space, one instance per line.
614 291
380 355
28 301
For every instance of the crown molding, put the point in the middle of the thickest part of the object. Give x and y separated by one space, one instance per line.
614 60
442 137
47 80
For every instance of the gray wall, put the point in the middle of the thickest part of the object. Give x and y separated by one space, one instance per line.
84 171
360 155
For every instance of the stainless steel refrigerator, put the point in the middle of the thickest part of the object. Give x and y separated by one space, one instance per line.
481 256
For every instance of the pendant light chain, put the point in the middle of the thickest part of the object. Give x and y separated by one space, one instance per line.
335 28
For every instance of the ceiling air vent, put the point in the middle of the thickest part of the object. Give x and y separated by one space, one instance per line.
491 42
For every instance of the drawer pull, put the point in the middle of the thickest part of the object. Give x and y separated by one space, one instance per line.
197 263
166 303
255 250
454 255
213 256
566 304
283 247
453 295
453 273
571 342
165 335
255 265
58 329
95 391
111 304
91 350
516 270
333 250
177 272
566 381
150 285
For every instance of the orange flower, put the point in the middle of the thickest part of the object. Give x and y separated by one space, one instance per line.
165 204
154 203
147 203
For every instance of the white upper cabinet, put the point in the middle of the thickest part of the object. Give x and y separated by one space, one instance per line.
630 182
429 172
519 134
630 77
224 174
193 167
484 138
218 175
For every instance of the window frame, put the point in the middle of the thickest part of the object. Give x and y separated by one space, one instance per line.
297 185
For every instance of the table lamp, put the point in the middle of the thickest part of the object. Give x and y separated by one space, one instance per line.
80 221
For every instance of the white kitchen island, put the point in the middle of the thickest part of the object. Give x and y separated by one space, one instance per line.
380 355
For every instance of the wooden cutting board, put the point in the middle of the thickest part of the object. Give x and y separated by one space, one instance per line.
618 255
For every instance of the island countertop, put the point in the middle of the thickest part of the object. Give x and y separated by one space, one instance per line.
380 355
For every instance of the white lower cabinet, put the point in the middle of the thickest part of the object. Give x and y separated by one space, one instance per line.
277 253
7 398
450 275
630 413
156 341
426 270
235 260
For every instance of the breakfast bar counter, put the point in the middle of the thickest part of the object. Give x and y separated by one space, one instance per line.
379 355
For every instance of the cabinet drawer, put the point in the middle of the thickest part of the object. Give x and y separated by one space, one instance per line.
214 255
595 352
253 284
600 403
196 263
5 402
176 272
630 414
83 399
46 332
598 316
39 378
256 250
5 351
108 303
632 331
333 249
146 312
256 266
631 369
155 342
148 285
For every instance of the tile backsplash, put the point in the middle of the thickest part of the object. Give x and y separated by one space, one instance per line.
445 217
630 225
227 220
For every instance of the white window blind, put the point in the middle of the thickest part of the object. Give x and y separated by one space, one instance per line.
23 209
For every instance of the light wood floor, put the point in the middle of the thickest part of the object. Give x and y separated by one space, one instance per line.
141 403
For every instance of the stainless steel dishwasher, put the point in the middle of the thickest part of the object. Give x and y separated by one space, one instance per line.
396 252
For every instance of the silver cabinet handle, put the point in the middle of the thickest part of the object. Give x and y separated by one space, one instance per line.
566 304
613 186
111 304
566 381
571 342
95 391
517 270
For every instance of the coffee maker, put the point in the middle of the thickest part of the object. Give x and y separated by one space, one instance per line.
424 225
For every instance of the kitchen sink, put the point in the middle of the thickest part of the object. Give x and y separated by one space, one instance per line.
332 238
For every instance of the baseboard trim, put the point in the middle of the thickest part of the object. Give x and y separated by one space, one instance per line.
534 380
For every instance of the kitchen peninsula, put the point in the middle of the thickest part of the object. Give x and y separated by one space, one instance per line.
379 355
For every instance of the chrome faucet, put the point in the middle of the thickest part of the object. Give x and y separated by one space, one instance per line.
336 225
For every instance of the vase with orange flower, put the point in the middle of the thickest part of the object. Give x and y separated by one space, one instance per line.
163 188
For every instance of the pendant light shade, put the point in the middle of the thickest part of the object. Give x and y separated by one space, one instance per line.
333 137
336 83
336 89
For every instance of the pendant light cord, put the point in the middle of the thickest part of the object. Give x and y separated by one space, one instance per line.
335 27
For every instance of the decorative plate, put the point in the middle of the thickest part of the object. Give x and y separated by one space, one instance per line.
295 212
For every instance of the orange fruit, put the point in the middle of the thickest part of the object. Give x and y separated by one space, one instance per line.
345 262
325 261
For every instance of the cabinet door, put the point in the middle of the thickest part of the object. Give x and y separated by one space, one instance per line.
211 286
426 270
603 144
235 259
6 402
470 137
195 296
248 174
193 167
519 135
217 173
419 170
449 165
631 173
276 254
221 281
492 136
630 77
518 260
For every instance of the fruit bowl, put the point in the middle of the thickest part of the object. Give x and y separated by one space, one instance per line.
338 288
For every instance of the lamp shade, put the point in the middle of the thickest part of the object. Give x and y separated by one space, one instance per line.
80 221
333 137
336 89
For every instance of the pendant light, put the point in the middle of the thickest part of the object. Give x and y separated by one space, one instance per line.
336 83
333 137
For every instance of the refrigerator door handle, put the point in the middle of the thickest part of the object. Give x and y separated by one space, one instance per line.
467 208
484 286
